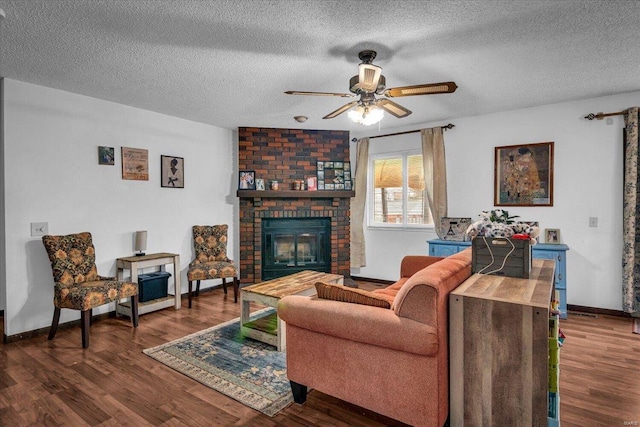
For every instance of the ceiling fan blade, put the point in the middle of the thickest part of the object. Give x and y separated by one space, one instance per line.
426 89
297 92
397 110
340 110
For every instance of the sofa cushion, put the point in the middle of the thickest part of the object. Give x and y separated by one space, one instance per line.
352 295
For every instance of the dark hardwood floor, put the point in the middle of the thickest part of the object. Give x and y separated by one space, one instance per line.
52 383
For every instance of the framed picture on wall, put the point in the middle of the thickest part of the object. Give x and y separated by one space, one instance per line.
106 156
135 164
171 172
523 175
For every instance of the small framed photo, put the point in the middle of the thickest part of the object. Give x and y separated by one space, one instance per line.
552 235
260 184
247 180
106 156
312 183
171 172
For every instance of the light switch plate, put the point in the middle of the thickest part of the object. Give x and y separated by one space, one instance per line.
39 229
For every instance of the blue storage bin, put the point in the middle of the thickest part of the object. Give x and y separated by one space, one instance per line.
153 286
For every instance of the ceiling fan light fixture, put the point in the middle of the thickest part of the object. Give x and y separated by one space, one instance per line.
366 115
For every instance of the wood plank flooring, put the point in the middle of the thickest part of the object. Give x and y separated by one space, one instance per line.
54 383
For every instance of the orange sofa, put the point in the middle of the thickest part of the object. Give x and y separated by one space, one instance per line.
393 361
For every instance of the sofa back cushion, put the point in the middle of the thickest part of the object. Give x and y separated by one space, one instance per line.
357 296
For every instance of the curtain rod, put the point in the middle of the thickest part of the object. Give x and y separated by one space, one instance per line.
601 116
445 127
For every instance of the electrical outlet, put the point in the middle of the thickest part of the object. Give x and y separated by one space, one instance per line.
593 221
39 229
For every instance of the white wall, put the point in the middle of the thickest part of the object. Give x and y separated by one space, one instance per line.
588 163
51 173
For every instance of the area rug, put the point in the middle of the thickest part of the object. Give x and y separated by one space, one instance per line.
219 357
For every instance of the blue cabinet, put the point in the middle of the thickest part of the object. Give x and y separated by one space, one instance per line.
557 252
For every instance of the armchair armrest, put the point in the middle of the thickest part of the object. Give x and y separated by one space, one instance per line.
359 323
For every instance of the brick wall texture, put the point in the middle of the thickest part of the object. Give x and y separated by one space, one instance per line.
287 155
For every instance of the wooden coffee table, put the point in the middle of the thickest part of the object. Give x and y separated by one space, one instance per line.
270 329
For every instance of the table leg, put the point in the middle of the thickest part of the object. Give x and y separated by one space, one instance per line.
281 333
177 281
245 307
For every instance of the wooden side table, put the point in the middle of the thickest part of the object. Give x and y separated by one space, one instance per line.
133 264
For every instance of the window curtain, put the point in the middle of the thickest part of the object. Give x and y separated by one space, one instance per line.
435 174
631 219
358 206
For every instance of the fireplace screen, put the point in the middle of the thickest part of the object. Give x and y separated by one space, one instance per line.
293 245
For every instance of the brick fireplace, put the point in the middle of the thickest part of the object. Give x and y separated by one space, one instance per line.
287 155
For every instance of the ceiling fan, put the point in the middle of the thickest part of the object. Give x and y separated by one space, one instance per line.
370 82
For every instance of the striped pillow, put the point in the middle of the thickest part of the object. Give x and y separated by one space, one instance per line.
352 295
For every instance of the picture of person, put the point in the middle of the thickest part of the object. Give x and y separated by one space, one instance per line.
247 181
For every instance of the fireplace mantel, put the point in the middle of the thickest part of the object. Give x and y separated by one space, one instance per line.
294 194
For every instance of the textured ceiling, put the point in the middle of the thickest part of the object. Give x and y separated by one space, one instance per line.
227 63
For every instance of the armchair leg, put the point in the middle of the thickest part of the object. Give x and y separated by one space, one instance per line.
299 392
85 323
190 285
54 323
198 288
134 310
236 288
224 285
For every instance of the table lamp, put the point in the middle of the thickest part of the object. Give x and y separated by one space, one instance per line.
140 242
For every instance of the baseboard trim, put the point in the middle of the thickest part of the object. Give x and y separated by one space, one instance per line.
7 339
595 310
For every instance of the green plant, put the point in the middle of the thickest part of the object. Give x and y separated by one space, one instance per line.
498 215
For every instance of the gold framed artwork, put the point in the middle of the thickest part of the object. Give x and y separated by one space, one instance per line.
171 171
135 164
523 175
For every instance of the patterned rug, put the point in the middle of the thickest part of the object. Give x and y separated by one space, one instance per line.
249 371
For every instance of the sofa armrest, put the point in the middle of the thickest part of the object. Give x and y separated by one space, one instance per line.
360 323
411 264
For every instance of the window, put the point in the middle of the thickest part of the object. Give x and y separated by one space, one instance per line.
397 196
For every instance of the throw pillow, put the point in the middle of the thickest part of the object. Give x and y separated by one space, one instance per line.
351 295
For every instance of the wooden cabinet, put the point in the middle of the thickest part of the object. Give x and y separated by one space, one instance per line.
499 349
556 252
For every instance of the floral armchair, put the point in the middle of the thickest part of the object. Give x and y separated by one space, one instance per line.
211 261
77 283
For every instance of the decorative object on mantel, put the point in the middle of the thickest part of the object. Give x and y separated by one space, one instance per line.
334 175
552 236
274 185
312 183
247 180
260 184
523 175
172 172
135 164
498 223
106 156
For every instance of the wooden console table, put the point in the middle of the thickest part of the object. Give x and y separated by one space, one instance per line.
499 349
133 264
